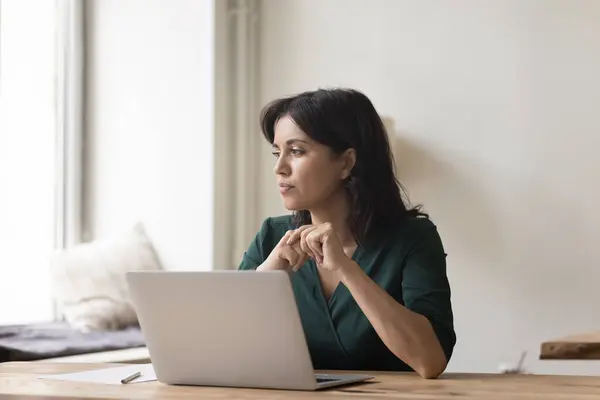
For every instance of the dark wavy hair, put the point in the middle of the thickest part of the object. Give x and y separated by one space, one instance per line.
343 119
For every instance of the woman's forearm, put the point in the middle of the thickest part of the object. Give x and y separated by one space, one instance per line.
407 334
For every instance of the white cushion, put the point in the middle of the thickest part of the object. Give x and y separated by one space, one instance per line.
89 284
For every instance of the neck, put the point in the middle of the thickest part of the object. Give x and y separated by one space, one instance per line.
335 211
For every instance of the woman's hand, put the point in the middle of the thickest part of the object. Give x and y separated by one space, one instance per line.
322 244
284 256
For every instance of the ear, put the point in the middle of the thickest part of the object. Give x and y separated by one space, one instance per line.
348 158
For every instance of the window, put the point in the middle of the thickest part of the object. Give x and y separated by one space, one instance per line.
32 156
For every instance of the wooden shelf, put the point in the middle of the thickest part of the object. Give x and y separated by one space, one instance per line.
583 346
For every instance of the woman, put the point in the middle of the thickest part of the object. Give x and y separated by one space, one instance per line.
368 273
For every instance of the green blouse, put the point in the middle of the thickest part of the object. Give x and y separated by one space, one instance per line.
409 263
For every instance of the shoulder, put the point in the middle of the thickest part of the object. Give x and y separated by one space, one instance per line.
276 226
418 232
281 221
273 229
270 233
407 246
409 235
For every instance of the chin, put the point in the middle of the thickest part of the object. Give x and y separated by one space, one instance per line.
293 205
292 208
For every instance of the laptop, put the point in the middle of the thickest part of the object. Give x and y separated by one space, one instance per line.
226 328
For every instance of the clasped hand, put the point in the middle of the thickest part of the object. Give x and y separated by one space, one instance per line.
319 242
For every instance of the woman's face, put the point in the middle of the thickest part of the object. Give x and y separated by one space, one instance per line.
308 173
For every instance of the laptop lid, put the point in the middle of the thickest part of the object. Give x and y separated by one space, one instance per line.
222 328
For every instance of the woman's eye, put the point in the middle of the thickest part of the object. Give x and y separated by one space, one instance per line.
297 152
275 153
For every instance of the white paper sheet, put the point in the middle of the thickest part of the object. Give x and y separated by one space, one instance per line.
111 375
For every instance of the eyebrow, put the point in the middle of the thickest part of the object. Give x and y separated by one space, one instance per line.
291 141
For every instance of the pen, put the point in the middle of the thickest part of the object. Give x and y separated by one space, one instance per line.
131 377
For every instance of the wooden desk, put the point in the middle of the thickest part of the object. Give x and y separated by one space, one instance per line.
584 346
20 379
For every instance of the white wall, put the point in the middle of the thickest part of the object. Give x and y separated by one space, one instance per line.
495 110
150 124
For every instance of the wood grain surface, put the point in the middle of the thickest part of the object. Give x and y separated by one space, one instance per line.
584 346
21 379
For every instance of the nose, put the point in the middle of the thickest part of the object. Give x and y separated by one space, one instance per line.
281 166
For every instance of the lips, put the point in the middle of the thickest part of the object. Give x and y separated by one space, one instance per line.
285 187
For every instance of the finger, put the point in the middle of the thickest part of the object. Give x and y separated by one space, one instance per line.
301 260
291 256
301 257
285 237
298 248
305 249
313 241
295 236
304 244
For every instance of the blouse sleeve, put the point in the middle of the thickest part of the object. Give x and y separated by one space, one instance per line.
425 286
256 253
